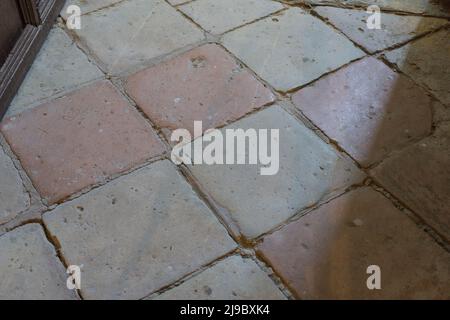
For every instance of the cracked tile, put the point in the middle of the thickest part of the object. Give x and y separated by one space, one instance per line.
30 268
138 233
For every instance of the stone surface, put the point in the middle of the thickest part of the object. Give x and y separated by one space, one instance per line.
177 2
326 253
138 233
59 66
420 176
309 171
87 6
70 143
203 84
29 267
138 30
395 29
13 197
427 61
433 7
368 109
221 16
291 49
234 278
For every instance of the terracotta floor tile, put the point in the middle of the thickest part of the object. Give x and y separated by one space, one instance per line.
368 109
78 140
291 49
325 254
203 84
396 28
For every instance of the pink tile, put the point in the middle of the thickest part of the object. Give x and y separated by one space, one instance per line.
368 109
80 139
325 254
203 84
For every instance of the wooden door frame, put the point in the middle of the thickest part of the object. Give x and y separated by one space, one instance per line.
39 16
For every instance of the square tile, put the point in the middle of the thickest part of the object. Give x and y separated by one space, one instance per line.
138 31
234 278
309 171
291 49
13 197
205 84
30 268
59 66
326 254
395 29
177 2
368 109
420 176
427 61
221 16
138 233
79 140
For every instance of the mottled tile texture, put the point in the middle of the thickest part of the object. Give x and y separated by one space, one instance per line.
81 139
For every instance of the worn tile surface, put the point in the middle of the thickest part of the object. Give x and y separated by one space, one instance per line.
368 109
309 171
221 16
59 66
395 29
29 267
138 30
177 2
13 197
291 49
420 176
234 278
326 253
138 233
79 140
427 61
438 7
140 227
204 84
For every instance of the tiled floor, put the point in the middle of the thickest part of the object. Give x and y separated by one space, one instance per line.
364 119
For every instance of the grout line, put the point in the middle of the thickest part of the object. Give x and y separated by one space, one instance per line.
53 240
279 98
